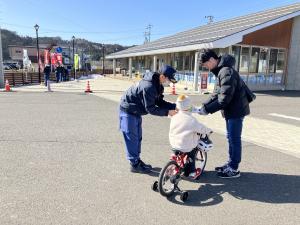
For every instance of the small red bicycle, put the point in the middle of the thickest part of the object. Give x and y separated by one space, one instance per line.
174 170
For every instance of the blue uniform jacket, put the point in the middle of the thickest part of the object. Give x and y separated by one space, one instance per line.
145 97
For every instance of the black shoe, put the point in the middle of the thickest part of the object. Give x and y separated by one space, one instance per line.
140 167
220 169
145 165
229 173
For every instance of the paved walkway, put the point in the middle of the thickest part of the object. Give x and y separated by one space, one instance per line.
273 135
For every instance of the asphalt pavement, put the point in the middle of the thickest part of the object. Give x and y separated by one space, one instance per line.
62 161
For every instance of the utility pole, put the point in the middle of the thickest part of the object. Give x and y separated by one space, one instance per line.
1 64
210 19
147 33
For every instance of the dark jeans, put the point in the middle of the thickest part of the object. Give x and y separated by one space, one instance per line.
47 77
234 131
58 77
131 127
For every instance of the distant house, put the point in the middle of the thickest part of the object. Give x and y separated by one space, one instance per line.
264 44
16 53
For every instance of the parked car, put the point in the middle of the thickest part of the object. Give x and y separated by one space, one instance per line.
6 66
11 66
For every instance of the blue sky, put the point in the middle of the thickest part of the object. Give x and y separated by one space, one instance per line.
120 21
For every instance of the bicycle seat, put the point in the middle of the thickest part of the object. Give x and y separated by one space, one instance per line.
176 151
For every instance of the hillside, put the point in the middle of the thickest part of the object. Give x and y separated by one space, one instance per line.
94 49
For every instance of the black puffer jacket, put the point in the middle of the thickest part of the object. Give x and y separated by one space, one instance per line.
146 97
47 70
229 94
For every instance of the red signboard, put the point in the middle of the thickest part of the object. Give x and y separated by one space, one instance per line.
59 58
204 78
46 57
53 59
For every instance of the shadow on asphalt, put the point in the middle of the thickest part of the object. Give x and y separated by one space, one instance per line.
155 172
261 187
280 93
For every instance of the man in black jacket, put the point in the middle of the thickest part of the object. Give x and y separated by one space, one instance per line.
140 99
229 96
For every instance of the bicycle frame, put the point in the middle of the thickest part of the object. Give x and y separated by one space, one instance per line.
181 159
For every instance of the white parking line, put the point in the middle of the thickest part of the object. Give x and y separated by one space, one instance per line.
284 116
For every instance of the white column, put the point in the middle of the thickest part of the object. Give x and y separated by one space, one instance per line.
114 67
293 68
230 50
130 67
154 63
196 71
249 64
1 64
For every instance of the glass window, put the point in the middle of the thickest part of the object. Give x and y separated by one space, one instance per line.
187 62
244 59
217 51
272 60
223 51
280 61
254 60
236 54
262 64
179 60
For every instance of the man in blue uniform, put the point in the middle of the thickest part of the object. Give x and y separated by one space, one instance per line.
145 97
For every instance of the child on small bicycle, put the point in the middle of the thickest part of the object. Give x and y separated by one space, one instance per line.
184 133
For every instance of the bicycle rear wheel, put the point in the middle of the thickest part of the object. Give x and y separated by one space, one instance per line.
168 179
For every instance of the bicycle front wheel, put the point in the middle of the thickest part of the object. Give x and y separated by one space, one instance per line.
168 179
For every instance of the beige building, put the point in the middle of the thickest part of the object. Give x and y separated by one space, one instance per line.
265 45
16 52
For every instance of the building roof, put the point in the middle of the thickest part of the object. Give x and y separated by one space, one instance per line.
215 35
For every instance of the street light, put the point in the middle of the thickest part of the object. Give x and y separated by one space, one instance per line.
73 39
1 64
103 49
36 27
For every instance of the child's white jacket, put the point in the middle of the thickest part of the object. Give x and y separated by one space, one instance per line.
183 131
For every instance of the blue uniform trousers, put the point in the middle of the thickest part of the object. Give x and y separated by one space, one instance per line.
131 127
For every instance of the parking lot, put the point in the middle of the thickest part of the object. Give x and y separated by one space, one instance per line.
62 161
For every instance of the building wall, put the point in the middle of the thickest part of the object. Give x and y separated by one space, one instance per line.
16 53
277 35
293 78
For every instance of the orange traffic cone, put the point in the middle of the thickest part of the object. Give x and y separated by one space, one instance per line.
7 87
173 92
88 89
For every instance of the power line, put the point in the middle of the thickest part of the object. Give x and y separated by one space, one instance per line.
49 30
147 33
50 10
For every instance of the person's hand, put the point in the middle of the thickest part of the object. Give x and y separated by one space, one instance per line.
194 109
172 112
